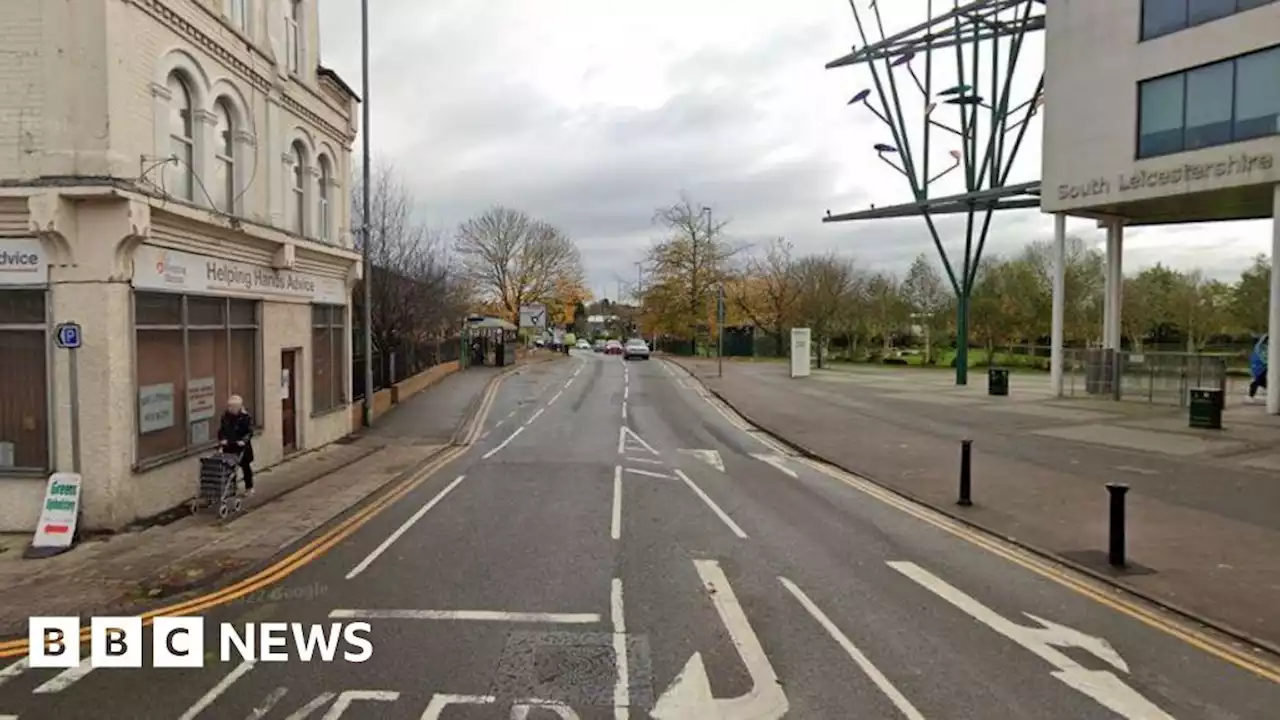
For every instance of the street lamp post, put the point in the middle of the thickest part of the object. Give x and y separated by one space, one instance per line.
364 230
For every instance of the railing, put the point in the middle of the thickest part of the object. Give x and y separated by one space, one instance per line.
394 367
1159 378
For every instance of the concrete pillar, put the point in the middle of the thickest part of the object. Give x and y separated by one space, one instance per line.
1115 285
1106 279
1273 324
1059 303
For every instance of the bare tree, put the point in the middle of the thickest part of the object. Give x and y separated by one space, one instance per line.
513 260
769 290
927 296
825 284
416 296
690 263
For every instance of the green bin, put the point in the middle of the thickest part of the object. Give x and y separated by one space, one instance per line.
1206 408
997 381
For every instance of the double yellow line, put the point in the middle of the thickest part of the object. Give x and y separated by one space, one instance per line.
313 549
1260 666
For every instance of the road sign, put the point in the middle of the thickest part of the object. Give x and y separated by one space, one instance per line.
68 336
533 316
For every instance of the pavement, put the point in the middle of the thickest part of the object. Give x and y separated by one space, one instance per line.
1203 531
616 544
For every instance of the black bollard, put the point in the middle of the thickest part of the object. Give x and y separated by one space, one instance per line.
966 457
1115 549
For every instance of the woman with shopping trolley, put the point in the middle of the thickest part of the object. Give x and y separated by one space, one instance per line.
235 433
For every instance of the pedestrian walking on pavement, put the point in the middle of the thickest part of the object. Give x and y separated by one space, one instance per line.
1258 364
235 434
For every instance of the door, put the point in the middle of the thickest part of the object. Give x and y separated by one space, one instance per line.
289 400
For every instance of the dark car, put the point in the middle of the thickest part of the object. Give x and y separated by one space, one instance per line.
599 346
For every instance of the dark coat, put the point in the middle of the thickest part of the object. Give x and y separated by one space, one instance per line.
236 428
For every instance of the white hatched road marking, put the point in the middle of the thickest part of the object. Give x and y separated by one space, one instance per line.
468 615
64 679
724 517
216 692
365 563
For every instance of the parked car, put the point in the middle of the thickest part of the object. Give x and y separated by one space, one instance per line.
613 347
584 345
635 348
599 346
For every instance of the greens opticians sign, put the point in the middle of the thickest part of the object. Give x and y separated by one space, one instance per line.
1243 164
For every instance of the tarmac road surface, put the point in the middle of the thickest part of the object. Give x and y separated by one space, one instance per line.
616 545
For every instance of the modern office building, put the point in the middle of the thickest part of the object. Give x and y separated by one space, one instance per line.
1160 112
174 179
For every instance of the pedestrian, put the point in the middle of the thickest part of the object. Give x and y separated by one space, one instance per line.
1258 365
235 434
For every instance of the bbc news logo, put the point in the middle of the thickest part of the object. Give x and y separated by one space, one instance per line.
179 642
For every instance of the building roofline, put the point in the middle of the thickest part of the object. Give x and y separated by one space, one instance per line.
333 77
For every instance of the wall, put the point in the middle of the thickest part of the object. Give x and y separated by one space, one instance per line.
1094 63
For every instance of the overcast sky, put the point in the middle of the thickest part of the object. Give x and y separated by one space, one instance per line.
592 114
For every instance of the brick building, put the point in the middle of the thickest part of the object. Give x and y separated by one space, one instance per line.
174 177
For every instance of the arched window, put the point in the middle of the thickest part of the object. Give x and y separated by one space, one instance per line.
181 138
293 32
298 209
326 178
224 182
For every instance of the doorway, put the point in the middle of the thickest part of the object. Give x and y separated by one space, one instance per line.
289 401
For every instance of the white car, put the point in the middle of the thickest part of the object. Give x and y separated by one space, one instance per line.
584 345
635 348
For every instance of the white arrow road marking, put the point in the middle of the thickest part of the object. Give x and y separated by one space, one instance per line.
472 615
64 679
650 473
316 703
1101 685
440 701
627 439
689 696
377 552
346 698
777 461
711 504
710 457
649 461
214 693
897 698
521 710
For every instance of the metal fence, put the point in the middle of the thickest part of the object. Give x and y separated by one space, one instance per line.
391 368
1159 378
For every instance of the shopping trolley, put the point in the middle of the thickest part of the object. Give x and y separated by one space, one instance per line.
219 482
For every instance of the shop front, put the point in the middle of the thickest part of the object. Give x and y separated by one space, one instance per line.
163 349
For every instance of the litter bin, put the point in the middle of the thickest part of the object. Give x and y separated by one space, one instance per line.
997 381
1206 408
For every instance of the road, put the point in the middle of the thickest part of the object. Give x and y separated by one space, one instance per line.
615 545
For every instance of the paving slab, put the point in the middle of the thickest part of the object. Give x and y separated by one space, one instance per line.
1166 443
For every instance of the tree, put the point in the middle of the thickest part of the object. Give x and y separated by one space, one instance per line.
688 265
886 310
416 295
769 291
825 283
1250 301
514 260
926 295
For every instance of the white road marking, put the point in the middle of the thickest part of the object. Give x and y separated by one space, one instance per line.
580 366
622 689
223 685
626 392
499 423
513 412
689 696
1101 685
521 710
1138 470
440 701
269 702
468 615
316 703
615 525
683 384
624 433
711 504
502 444
624 410
897 698
555 397
650 461
777 461
13 670
650 473
365 563
568 382
484 434
535 416
710 457
349 696
64 679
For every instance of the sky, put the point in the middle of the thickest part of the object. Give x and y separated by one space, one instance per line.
592 114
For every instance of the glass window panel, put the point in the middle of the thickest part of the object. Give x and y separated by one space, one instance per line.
22 307
179 108
244 312
1160 116
24 405
157 309
206 311
1208 117
1257 95
1161 17
243 370
322 370
207 360
319 315
1203 11
1250 4
161 393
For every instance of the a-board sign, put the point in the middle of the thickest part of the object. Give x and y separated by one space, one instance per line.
800 342
58 515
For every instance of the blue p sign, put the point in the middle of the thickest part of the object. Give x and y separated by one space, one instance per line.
68 336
